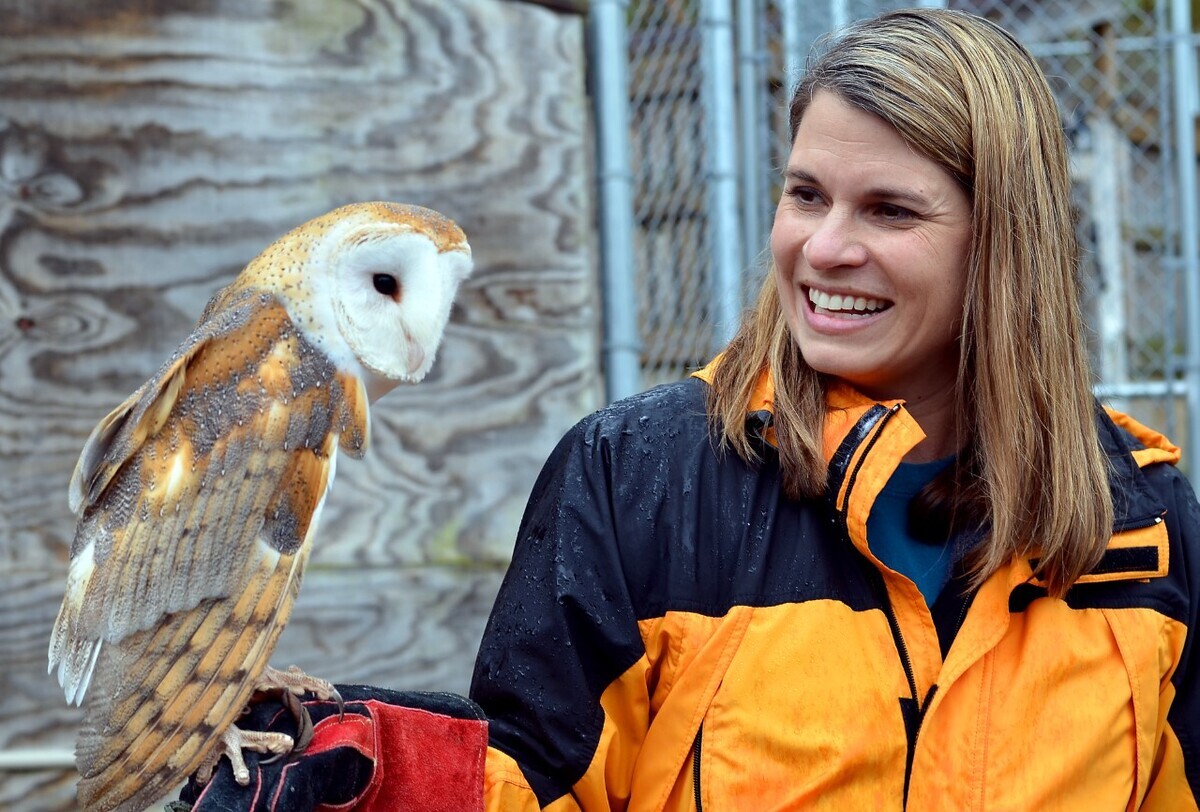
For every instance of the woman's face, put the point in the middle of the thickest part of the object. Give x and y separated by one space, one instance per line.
870 244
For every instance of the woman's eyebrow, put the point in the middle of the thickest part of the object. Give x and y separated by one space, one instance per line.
898 193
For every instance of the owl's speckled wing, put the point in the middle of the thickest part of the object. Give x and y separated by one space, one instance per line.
197 498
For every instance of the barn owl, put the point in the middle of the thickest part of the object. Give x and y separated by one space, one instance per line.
198 497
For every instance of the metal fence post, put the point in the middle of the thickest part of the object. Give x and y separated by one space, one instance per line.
1105 201
1184 62
751 62
839 15
622 338
793 46
721 174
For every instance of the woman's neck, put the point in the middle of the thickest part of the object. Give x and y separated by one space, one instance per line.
937 415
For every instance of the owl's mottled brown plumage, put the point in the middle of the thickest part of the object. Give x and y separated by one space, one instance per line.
198 496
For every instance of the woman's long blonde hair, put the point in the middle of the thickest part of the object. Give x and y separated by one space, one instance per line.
963 93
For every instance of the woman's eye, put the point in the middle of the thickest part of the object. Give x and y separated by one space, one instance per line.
889 211
386 284
804 194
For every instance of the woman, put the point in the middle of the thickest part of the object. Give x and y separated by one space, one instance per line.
884 552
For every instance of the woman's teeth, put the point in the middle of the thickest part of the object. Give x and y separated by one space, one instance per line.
847 306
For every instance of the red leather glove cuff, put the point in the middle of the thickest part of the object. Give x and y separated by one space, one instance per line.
423 760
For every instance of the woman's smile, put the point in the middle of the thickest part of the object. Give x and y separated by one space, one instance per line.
844 306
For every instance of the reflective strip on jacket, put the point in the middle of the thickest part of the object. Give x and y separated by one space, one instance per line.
675 634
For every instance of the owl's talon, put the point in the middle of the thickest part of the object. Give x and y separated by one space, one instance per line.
341 705
304 725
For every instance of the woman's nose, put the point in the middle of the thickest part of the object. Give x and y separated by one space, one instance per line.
835 243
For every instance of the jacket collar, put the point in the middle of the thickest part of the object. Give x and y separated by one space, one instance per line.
843 421
853 420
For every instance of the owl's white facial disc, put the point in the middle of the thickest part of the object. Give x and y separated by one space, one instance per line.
393 292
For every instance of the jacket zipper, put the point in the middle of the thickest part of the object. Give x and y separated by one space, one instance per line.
876 576
962 615
696 767
876 579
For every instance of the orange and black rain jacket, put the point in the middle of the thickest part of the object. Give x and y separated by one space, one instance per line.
675 634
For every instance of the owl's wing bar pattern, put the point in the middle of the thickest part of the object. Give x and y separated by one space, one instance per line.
183 682
127 427
196 521
111 450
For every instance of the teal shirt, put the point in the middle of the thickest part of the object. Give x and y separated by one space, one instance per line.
926 565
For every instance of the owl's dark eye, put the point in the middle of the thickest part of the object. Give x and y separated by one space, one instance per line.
386 284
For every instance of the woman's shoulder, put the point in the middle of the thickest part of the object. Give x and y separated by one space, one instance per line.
660 436
1142 461
666 410
1123 432
1147 484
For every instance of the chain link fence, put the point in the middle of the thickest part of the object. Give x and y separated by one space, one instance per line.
705 138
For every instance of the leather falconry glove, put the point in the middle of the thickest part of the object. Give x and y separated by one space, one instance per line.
386 750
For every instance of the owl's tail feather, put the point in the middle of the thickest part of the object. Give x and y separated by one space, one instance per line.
73 648
139 741
76 662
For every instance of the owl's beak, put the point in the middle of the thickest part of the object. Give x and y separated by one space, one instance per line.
416 358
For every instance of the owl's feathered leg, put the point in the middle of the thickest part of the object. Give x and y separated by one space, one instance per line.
291 683
233 741
296 682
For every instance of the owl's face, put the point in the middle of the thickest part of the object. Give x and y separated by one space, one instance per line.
371 284
392 288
